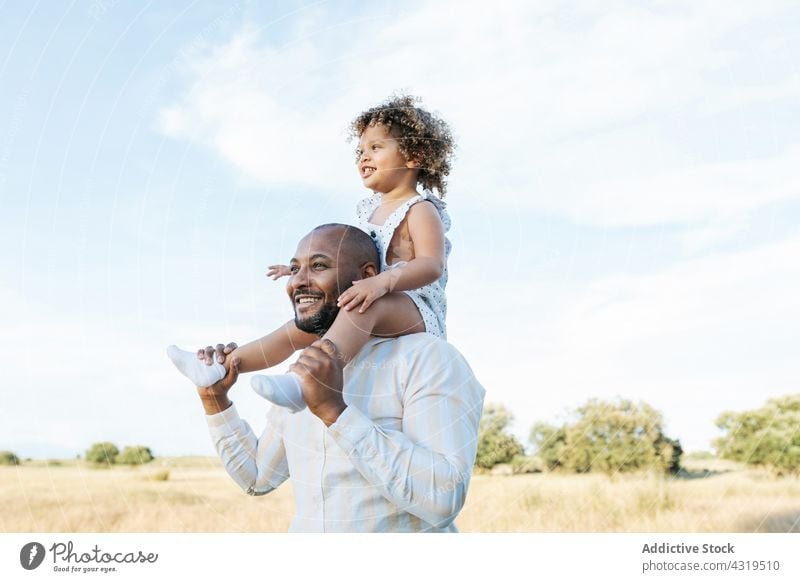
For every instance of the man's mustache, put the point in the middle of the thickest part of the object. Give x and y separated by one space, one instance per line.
306 291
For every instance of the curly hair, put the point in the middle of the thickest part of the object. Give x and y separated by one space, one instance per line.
421 137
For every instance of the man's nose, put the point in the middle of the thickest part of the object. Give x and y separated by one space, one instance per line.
301 277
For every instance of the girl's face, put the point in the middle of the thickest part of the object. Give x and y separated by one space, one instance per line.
381 165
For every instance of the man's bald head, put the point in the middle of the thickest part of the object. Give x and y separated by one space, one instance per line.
355 246
327 261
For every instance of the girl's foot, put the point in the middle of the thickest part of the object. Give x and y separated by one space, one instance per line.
283 389
196 370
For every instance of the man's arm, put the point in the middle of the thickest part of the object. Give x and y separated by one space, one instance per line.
424 469
257 465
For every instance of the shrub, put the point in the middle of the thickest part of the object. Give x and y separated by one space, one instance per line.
495 445
102 453
610 437
8 458
524 464
161 475
766 437
137 455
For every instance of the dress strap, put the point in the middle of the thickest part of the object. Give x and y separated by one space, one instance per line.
394 220
365 209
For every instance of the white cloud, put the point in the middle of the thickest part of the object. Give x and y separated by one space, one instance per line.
537 93
712 334
244 102
716 190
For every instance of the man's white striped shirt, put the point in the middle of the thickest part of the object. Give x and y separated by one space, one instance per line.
398 459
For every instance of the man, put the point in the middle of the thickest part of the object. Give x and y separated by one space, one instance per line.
387 443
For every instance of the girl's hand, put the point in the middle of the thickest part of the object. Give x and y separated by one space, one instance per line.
278 271
208 354
363 292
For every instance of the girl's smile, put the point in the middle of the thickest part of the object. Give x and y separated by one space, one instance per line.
382 166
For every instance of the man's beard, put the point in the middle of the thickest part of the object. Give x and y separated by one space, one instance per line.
320 322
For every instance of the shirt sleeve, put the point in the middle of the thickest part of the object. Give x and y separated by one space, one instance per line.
257 465
424 468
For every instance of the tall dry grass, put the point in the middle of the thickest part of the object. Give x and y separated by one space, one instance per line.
195 495
731 502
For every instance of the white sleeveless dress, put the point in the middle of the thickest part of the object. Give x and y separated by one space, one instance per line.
430 299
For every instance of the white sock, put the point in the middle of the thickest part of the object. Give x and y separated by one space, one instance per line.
196 370
282 389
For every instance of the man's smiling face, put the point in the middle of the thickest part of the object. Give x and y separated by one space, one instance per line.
321 270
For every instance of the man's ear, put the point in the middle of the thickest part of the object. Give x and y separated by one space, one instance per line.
368 270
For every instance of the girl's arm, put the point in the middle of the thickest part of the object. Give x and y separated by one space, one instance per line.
427 235
278 271
265 352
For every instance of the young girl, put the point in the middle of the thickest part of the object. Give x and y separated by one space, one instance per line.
401 146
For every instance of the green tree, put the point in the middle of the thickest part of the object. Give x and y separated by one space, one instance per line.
137 455
102 453
610 437
767 437
8 458
549 443
495 444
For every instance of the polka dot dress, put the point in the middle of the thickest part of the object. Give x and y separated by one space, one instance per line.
430 299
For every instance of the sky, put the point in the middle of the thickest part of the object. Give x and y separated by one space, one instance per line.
625 198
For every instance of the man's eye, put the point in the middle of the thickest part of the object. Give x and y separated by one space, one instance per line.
319 266
294 269
375 146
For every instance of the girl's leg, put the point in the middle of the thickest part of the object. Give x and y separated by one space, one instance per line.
392 315
272 349
268 351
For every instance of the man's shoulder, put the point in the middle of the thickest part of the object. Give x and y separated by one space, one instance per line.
419 349
415 344
427 341
433 363
420 363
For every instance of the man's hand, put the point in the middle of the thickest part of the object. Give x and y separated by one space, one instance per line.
207 353
278 271
215 397
364 292
320 370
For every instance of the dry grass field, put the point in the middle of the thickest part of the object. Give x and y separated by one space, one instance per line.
197 496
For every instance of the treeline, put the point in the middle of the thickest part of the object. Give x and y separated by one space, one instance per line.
99 454
622 436
602 436
108 454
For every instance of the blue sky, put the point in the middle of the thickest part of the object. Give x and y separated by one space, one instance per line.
625 199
